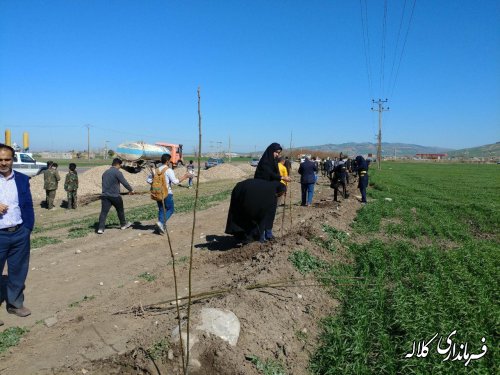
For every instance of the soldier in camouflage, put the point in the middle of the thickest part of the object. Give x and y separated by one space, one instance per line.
50 180
71 185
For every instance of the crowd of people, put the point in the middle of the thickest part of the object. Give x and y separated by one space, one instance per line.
254 201
251 213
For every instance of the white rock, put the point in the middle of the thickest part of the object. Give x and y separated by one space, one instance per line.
101 283
170 354
194 364
78 251
224 324
49 322
299 296
388 199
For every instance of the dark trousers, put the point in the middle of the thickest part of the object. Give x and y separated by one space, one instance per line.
15 251
362 185
106 203
336 190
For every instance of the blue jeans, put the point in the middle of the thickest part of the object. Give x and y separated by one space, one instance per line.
15 250
164 214
307 193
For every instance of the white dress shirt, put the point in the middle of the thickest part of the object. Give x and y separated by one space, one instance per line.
8 196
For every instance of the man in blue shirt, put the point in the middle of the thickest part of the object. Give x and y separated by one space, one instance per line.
17 218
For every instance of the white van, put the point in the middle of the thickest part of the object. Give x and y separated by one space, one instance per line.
24 163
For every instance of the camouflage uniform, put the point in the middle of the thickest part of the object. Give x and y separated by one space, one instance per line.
50 180
71 186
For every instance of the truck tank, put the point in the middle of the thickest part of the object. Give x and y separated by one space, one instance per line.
139 151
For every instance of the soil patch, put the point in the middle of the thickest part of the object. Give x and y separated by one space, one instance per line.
124 325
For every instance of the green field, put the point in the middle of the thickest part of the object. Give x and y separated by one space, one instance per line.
428 263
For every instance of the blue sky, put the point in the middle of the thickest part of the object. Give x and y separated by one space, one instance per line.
267 69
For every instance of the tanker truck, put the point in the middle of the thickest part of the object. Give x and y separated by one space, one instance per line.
138 155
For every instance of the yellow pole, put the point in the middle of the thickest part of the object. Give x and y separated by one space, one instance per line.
26 141
7 138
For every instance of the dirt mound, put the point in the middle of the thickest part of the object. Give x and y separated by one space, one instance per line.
90 180
224 171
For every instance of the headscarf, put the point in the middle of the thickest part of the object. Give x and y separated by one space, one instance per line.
267 169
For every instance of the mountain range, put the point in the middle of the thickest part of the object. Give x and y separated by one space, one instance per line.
405 149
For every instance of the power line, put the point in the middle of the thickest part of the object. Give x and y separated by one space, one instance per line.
366 43
397 44
382 54
403 49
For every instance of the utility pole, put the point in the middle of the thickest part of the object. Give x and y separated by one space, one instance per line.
229 153
380 109
219 149
88 141
105 150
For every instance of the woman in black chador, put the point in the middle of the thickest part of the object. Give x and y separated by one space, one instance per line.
268 170
252 207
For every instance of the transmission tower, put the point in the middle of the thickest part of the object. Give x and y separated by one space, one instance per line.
380 109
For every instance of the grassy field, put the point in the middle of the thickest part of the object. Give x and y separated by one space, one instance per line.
428 263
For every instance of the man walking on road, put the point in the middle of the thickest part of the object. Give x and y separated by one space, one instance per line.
16 223
111 180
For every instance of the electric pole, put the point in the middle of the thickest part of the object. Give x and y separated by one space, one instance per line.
106 149
380 109
88 141
229 153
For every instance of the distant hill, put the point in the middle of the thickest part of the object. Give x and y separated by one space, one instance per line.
486 151
402 149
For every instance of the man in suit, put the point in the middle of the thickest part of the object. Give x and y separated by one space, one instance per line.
307 171
16 223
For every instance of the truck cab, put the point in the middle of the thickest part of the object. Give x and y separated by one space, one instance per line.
175 152
24 163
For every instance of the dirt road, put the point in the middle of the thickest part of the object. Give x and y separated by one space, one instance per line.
92 287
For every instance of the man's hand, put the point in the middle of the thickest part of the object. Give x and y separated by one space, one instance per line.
3 208
131 192
286 178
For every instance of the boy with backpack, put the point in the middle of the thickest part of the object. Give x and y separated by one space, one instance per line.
161 190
